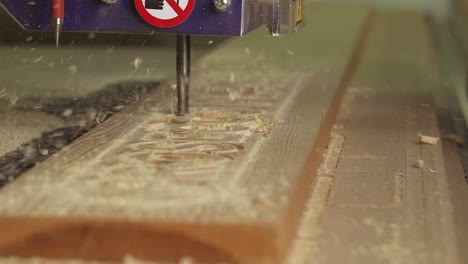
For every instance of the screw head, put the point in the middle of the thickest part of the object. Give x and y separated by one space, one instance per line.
222 5
109 1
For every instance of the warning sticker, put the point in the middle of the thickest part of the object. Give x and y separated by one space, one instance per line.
164 13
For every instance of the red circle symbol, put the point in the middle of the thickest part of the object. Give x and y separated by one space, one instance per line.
157 20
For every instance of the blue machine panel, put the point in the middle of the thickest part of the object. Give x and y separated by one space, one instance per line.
94 15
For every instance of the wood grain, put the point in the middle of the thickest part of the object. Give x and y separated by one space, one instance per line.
227 183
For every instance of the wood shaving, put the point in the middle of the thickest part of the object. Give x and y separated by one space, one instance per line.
44 152
423 139
452 137
419 164
67 113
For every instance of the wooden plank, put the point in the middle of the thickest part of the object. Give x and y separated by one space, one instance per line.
227 183
369 201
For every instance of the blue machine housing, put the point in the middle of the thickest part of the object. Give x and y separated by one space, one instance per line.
242 16
95 15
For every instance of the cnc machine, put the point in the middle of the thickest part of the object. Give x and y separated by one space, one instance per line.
182 17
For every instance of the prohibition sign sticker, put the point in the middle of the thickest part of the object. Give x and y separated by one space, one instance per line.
164 13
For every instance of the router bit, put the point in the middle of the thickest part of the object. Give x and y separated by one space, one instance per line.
57 10
183 74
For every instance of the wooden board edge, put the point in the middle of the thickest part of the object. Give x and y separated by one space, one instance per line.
60 238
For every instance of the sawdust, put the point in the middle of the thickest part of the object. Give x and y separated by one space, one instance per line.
399 188
73 117
388 250
19 127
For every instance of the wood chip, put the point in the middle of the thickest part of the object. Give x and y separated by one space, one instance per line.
423 139
419 164
67 113
452 137
44 152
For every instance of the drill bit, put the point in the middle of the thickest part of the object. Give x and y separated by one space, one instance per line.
183 74
57 10
57 29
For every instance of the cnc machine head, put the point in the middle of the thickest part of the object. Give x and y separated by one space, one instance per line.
213 17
